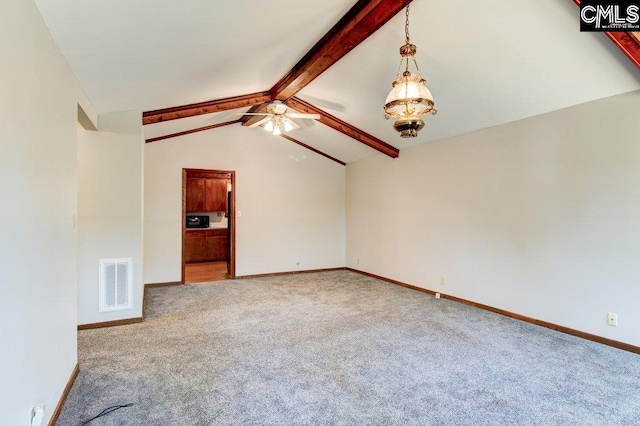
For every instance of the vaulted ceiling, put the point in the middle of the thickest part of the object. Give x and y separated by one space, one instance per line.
487 63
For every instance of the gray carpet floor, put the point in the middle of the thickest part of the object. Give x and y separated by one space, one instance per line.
339 348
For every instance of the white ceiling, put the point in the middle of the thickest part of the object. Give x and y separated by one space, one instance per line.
486 63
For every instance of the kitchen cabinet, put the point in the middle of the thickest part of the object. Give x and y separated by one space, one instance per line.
195 194
206 245
215 195
217 246
206 194
195 246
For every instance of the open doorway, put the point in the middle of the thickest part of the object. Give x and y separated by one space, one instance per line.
208 227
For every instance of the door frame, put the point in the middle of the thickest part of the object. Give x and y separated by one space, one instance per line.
231 220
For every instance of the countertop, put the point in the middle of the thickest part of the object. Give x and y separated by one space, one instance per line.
207 229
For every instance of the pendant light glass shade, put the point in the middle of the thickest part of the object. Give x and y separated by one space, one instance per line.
409 98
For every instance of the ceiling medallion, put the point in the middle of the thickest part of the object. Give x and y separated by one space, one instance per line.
409 98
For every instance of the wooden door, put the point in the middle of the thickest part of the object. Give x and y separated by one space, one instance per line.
216 195
195 195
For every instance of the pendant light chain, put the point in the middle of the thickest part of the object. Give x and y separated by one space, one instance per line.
406 36
406 67
406 24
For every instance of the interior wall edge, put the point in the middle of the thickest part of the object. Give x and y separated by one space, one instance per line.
556 327
64 396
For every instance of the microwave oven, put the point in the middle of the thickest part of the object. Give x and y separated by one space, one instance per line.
197 221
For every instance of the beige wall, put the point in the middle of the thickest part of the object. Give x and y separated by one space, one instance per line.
292 201
38 110
109 208
540 217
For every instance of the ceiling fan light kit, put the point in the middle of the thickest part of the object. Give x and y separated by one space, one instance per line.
278 125
277 120
409 98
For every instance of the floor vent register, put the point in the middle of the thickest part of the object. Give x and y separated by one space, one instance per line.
116 284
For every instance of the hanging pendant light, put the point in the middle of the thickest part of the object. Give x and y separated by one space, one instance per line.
409 98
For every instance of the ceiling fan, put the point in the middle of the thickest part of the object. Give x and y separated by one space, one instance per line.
277 119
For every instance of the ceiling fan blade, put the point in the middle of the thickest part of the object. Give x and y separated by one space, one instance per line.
301 115
258 123
294 125
253 113
325 103
308 123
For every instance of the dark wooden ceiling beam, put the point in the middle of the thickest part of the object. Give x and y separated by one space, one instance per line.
344 127
362 20
208 107
310 148
188 132
628 43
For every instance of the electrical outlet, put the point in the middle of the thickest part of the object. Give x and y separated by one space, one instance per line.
441 280
297 261
612 319
437 295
